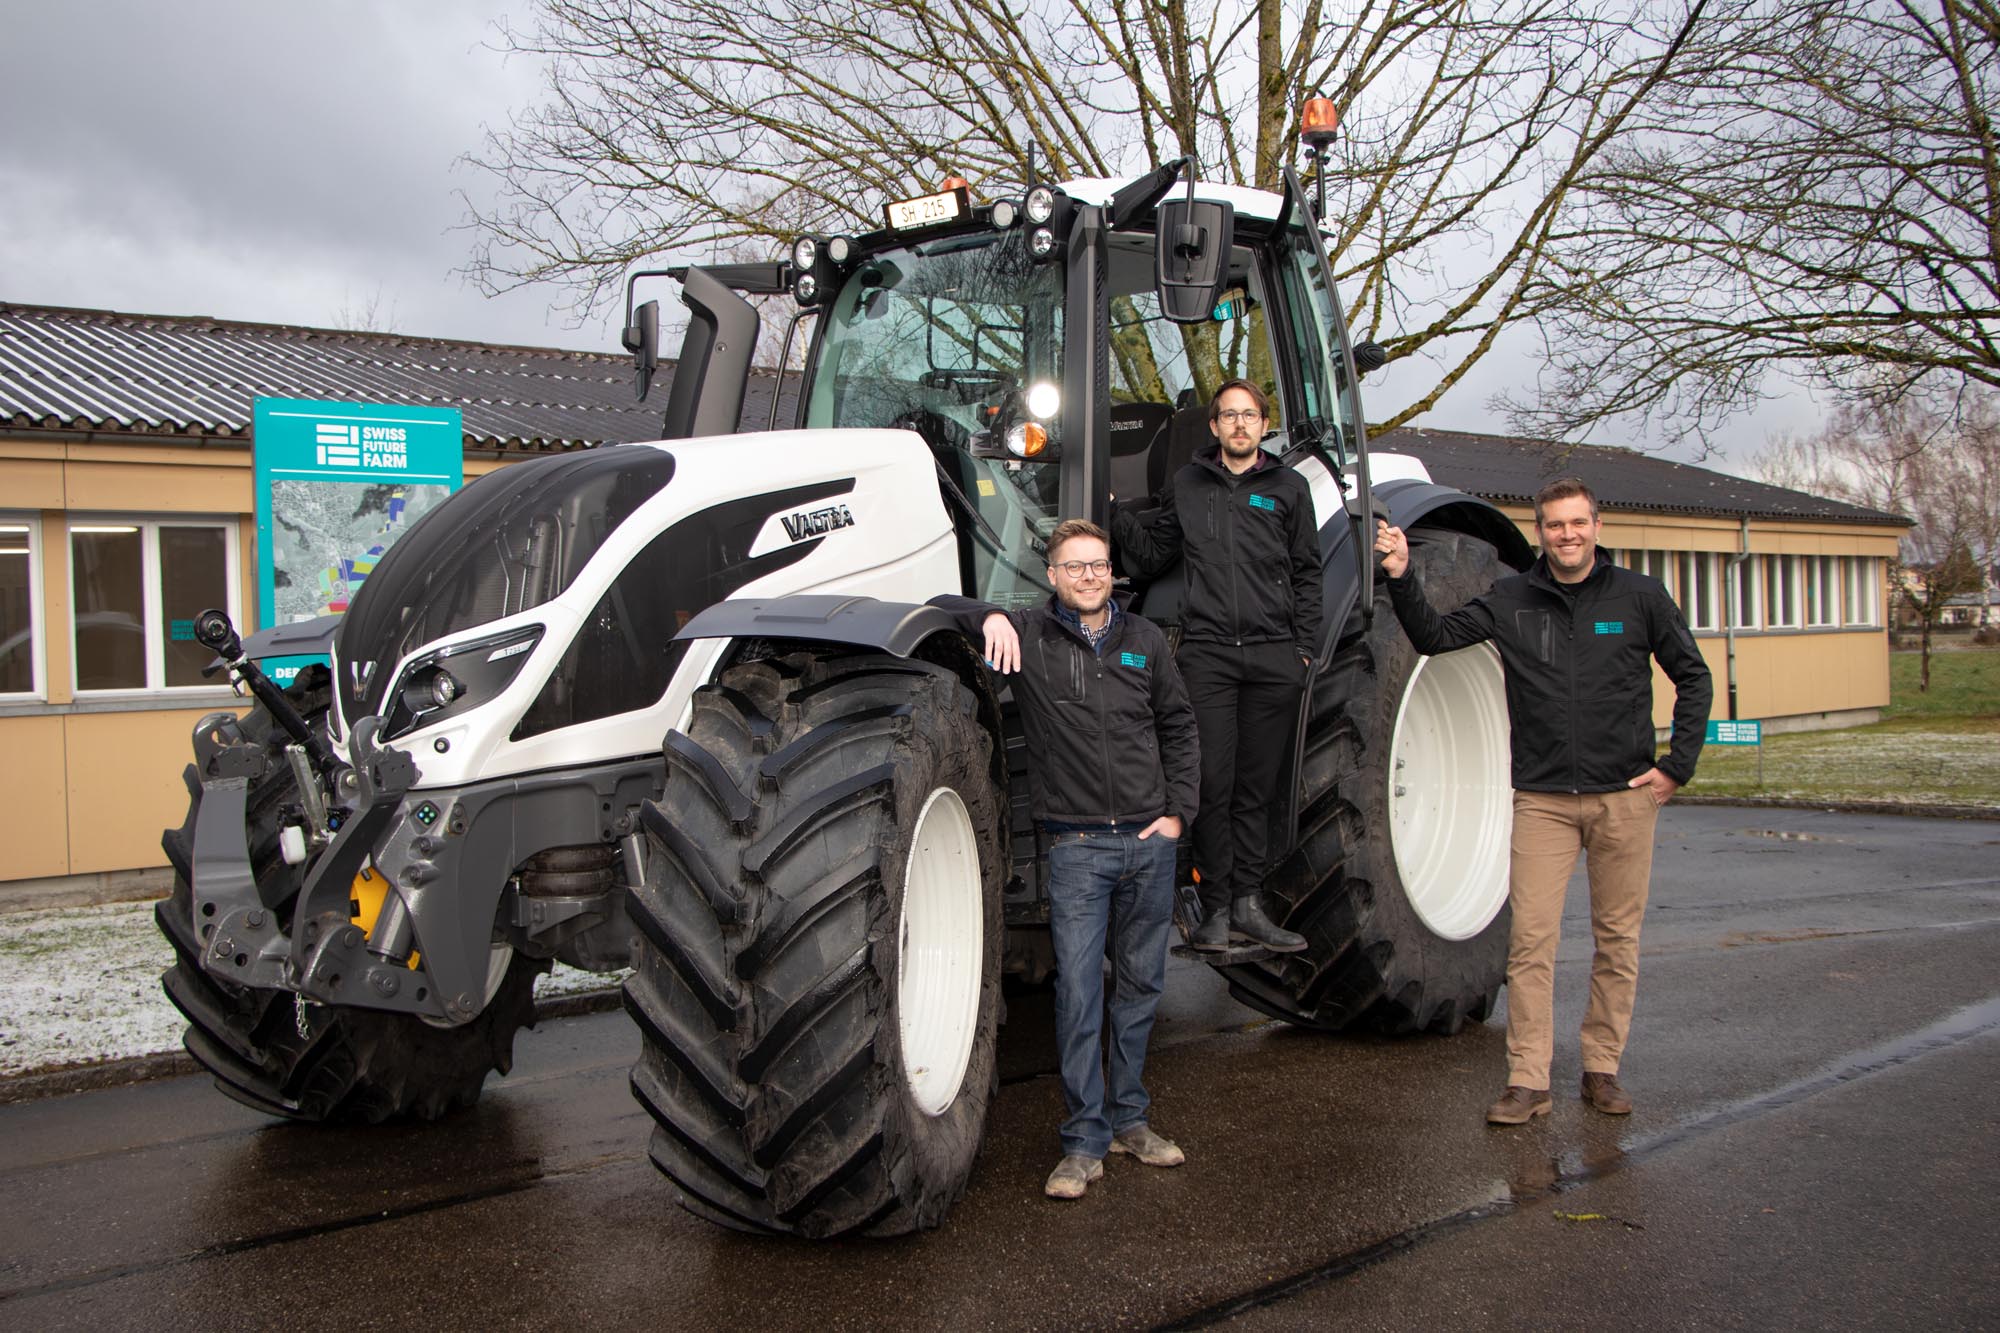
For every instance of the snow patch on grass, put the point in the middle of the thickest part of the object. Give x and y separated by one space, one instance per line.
81 985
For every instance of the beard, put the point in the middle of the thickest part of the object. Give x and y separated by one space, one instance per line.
1085 604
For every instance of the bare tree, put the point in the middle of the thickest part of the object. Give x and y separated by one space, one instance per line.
1813 189
1934 466
696 126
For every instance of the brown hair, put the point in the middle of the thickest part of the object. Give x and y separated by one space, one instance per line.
1076 527
1563 488
1263 399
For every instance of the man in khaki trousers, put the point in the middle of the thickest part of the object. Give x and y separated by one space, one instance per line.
1577 637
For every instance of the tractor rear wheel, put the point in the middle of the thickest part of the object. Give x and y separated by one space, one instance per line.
817 975
1398 879
346 1064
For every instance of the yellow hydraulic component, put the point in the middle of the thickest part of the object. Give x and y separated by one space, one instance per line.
364 901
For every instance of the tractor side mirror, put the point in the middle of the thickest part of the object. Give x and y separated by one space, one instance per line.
1369 356
642 339
1192 242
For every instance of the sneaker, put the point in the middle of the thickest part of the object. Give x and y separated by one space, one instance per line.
1149 1147
1072 1177
1602 1093
1519 1105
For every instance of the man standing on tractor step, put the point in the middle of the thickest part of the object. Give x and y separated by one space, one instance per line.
1244 523
1577 637
1112 760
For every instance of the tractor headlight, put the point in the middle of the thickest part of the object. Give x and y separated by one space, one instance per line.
806 289
1043 400
805 253
455 678
840 251
1041 242
1004 213
1041 205
1026 439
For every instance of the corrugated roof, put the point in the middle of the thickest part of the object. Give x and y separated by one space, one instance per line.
98 370
1509 470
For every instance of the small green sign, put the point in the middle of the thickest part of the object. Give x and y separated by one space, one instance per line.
1735 733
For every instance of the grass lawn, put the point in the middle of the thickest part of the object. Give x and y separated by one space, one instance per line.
1941 747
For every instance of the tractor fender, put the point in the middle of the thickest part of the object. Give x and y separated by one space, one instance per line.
859 622
1406 503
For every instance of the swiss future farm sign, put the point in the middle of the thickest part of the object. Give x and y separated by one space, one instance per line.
337 484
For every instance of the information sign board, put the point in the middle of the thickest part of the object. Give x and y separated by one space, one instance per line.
337 484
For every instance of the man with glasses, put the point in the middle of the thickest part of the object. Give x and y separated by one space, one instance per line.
1112 763
1244 524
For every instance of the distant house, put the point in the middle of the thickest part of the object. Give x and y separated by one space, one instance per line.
126 504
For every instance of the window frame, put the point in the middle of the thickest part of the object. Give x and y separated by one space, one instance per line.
38 677
152 595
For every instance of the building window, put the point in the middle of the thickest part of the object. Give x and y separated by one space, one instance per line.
20 609
1862 580
1781 591
136 588
1697 583
1743 587
1822 580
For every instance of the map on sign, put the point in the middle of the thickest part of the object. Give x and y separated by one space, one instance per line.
337 485
326 540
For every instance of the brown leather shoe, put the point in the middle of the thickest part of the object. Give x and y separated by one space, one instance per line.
1519 1105
1602 1093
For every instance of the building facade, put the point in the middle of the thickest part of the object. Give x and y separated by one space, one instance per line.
127 507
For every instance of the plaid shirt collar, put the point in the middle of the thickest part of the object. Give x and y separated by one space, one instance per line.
1095 638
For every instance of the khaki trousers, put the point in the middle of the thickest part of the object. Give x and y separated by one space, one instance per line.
1614 831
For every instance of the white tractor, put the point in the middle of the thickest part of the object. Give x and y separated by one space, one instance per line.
679 706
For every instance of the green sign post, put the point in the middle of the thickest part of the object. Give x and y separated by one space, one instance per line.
337 484
1750 732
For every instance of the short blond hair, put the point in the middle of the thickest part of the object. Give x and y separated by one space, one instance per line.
1071 528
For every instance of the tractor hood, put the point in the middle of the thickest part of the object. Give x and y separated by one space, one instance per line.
510 541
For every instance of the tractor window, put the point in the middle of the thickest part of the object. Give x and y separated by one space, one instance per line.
1330 406
944 338
1163 373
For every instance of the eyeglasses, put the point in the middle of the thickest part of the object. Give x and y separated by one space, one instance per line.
1076 569
1245 415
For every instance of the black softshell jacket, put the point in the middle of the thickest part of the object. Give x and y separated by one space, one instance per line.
1110 731
1251 545
1579 671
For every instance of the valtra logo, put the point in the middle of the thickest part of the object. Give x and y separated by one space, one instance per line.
817 522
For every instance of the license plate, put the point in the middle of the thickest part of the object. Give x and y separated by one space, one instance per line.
928 211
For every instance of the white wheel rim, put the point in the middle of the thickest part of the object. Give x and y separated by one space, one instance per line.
1450 794
943 931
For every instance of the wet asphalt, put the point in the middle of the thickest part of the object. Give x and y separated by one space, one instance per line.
1816 1058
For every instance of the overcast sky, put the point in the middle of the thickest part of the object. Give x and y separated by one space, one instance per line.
297 163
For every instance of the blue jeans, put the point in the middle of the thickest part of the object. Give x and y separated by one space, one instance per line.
1103 883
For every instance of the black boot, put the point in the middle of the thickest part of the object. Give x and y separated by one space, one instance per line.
1247 919
1212 936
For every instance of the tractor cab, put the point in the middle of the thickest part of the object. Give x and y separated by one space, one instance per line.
1055 351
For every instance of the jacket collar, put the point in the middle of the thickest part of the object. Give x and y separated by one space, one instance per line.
1600 571
1073 622
1211 458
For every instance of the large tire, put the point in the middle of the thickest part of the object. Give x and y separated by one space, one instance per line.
817 974
1398 879
356 1064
